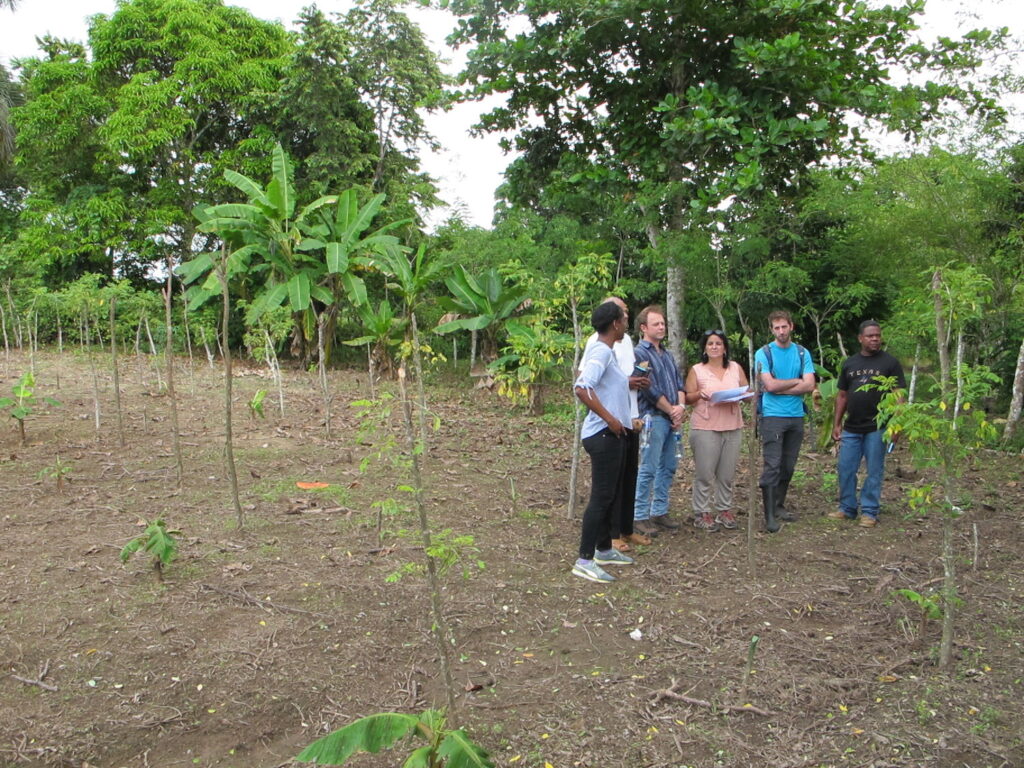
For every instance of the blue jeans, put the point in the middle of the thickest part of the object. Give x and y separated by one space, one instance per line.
852 448
657 467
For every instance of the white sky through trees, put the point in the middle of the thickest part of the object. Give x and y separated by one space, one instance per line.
468 169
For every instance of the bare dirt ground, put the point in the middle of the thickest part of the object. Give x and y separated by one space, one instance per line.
260 640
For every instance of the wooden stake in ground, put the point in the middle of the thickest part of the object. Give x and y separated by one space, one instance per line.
169 352
117 375
229 450
753 453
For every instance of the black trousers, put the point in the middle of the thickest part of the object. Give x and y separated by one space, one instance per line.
607 463
781 437
622 523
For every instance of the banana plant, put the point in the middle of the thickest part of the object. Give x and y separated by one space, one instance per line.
482 303
311 255
350 246
410 279
384 331
269 243
374 733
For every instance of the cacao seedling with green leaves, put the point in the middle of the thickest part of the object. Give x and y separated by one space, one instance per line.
930 605
256 404
24 401
158 541
57 471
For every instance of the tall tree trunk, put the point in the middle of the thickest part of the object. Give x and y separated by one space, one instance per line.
675 302
1017 398
169 357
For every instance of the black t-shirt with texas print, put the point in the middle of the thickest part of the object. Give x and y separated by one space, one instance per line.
862 405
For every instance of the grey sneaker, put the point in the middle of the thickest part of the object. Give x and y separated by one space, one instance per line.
592 572
726 519
612 557
705 522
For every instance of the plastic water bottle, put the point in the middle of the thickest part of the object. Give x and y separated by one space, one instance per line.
677 435
645 435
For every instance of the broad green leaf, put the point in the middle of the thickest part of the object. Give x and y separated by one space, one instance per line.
418 758
462 752
321 294
275 296
298 292
358 223
464 324
316 205
251 189
337 258
469 298
280 192
355 288
191 270
358 342
368 734
310 244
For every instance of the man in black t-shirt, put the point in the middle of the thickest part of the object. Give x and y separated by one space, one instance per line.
861 436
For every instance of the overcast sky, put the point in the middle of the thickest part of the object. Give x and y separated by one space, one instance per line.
468 169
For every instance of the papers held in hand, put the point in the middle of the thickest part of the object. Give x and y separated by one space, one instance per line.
731 395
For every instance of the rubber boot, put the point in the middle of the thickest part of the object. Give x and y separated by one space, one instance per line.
768 496
781 513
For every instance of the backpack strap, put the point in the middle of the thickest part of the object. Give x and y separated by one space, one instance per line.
771 364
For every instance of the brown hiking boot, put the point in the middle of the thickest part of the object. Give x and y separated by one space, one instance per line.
666 522
838 514
646 527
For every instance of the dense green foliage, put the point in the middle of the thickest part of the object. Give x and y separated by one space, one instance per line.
719 157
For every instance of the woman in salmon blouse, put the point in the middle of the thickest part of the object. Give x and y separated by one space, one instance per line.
715 430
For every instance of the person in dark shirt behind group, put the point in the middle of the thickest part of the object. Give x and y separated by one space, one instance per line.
861 435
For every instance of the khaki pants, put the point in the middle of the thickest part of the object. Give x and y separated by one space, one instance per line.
715 455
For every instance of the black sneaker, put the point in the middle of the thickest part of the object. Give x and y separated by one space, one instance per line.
666 522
